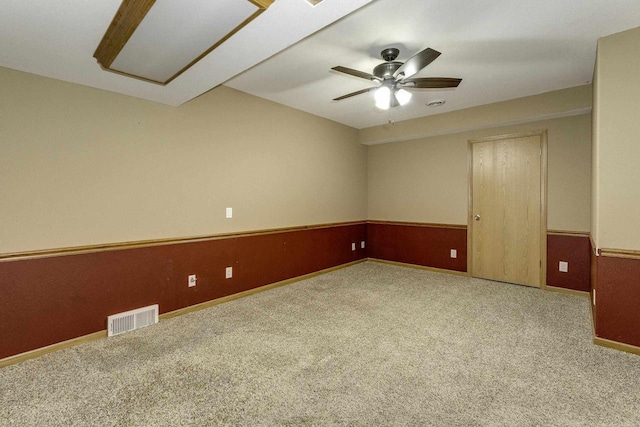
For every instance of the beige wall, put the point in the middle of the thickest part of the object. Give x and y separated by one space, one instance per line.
617 142
426 180
559 103
81 166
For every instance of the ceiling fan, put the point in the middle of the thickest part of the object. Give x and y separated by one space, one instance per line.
395 78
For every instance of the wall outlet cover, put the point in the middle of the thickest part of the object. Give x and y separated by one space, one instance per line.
191 281
454 253
229 212
228 273
353 246
362 244
563 266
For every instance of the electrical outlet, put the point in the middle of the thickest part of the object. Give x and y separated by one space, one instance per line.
191 280
563 266
228 273
353 246
454 253
229 212
362 245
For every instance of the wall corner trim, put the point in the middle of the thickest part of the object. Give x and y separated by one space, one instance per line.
417 224
627 348
420 267
103 247
618 253
583 294
32 354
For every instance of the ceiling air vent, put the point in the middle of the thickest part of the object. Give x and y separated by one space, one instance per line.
436 103
130 320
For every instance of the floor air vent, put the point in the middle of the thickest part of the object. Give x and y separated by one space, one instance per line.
130 320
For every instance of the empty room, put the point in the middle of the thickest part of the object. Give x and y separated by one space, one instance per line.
319 212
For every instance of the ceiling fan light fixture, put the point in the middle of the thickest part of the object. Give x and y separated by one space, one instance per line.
395 76
383 97
403 96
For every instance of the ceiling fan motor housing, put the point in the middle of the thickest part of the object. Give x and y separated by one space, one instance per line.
386 69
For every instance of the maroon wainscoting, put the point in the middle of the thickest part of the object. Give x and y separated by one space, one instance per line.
594 279
419 244
48 300
574 249
618 299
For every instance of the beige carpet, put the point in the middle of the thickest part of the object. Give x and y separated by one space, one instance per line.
368 345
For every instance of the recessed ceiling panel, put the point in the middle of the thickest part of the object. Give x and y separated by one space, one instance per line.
173 35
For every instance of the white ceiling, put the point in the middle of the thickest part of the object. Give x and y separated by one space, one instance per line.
502 49
58 38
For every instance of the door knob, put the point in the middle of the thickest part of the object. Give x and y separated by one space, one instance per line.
477 217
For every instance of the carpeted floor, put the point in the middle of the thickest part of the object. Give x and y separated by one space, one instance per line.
369 345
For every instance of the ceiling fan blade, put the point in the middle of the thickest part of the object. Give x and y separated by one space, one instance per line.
430 83
359 92
355 73
417 62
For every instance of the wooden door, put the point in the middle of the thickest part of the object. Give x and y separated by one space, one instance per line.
507 208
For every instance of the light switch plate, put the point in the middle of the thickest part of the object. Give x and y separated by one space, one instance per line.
228 273
192 280
454 253
563 266
229 213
